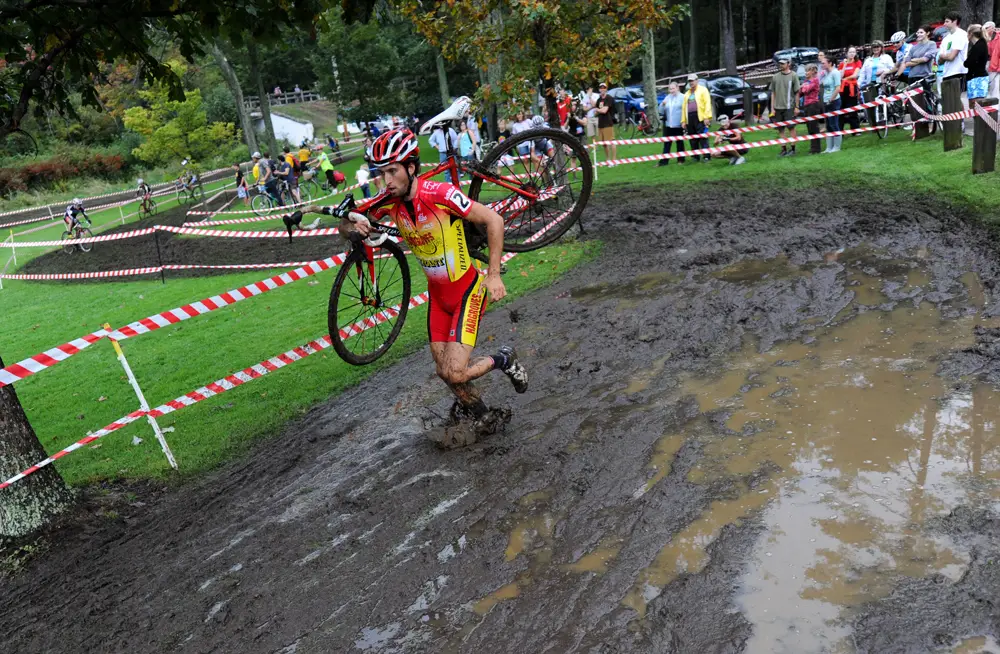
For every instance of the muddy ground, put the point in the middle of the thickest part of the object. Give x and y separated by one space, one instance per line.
622 510
184 249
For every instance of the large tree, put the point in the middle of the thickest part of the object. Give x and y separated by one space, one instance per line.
975 11
535 38
52 49
31 502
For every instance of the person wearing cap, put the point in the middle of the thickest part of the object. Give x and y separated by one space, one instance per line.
696 115
605 106
993 47
877 66
784 89
728 136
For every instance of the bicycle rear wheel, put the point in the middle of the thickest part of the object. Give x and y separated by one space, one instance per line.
85 233
368 302
881 121
310 190
558 181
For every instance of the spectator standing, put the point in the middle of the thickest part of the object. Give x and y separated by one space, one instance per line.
589 103
877 66
466 149
784 94
578 122
672 110
977 79
291 173
443 141
697 114
242 191
473 126
605 105
563 108
922 54
993 47
297 89
830 89
954 48
810 94
729 137
849 68
363 177
277 90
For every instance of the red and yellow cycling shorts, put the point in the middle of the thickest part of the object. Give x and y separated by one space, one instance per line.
455 310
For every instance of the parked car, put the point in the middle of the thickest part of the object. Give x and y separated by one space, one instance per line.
727 96
798 55
631 96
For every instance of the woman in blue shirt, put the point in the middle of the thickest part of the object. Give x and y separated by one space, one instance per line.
831 102
671 109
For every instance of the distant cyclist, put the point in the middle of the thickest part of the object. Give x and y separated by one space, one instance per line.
143 190
431 217
71 216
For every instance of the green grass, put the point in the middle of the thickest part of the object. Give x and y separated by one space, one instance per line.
320 114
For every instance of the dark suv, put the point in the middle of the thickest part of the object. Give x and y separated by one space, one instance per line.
727 96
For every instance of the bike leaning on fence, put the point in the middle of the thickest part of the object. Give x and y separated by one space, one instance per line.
80 229
539 181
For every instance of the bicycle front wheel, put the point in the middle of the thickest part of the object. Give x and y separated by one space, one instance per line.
539 181
881 120
85 233
261 204
69 247
198 193
368 302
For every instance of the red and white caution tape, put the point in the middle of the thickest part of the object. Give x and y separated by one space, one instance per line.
146 231
742 146
761 128
166 318
49 358
152 270
987 118
255 219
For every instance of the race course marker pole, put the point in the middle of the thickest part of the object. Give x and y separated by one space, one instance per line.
984 139
142 402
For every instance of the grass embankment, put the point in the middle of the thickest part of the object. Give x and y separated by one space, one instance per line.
320 114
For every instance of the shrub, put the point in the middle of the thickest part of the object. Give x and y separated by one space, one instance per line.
40 174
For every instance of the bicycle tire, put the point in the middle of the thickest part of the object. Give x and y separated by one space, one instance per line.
84 233
340 308
310 190
152 207
493 162
881 120
198 193
68 248
261 204
648 130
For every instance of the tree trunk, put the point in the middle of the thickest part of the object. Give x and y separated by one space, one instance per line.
786 24
649 77
746 35
862 39
246 123
915 15
693 44
32 502
809 20
878 20
975 11
681 53
265 104
443 82
728 36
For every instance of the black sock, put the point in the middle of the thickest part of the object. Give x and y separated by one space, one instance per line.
500 361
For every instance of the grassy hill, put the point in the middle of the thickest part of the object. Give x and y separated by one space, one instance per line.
319 113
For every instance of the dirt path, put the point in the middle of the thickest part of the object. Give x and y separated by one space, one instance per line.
183 249
619 512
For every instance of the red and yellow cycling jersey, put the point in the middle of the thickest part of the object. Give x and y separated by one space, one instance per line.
433 228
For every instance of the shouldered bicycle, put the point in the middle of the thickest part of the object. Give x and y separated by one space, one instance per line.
539 181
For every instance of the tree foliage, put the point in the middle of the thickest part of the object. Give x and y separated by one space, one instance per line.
176 129
547 40
52 49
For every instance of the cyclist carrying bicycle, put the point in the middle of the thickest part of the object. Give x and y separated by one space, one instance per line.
70 217
431 217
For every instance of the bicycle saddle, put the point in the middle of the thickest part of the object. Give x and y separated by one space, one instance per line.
458 110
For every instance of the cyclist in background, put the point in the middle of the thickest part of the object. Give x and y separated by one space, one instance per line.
143 190
70 217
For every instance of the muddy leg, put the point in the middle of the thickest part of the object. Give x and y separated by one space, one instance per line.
457 371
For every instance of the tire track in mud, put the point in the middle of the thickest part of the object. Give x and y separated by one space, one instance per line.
351 532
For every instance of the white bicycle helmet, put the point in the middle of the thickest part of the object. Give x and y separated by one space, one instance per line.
537 121
898 37
77 202
141 181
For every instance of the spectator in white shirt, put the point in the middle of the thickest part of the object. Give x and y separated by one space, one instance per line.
438 140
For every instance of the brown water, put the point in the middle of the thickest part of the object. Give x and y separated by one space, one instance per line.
870 442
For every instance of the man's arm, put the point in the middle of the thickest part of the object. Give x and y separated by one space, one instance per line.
482 215
950 55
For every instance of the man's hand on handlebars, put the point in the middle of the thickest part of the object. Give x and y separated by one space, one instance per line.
355 223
